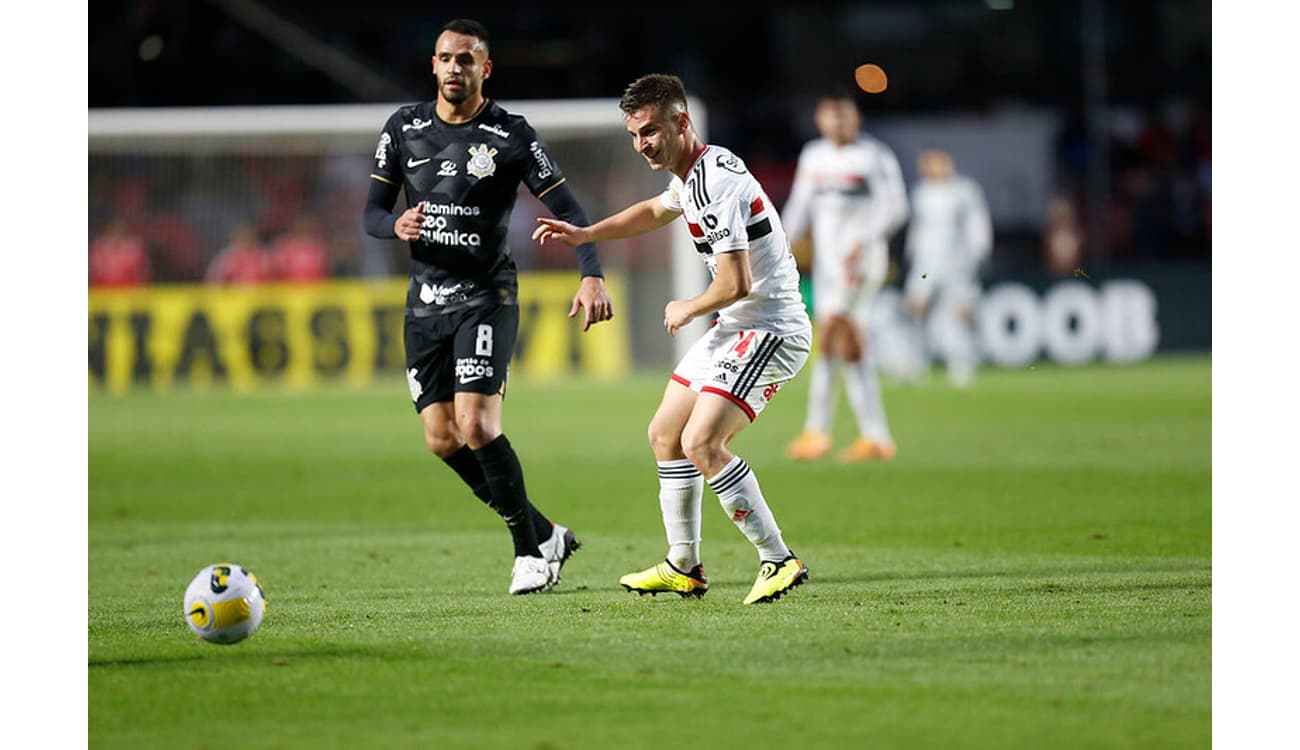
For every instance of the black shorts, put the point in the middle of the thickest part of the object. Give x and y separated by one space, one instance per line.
464 351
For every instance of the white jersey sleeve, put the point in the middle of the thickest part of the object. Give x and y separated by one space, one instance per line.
978 225
887 209
671 198
797 214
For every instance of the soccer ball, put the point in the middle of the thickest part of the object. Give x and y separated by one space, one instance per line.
224 604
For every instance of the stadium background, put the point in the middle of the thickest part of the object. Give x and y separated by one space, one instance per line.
1033 569
1087 123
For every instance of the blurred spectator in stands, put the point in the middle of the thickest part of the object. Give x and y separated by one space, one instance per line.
118 258
130 198
1062 238
301 254
243 261
175 247
280 184
345 255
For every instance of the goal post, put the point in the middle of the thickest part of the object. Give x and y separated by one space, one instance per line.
208 171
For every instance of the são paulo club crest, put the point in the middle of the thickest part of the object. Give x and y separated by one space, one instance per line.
480 161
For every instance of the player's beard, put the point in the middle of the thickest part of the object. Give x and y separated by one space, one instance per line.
456 96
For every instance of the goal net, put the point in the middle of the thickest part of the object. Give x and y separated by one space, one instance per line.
187 182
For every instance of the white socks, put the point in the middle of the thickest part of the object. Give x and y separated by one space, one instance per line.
737 490
680 489
821 396
862 385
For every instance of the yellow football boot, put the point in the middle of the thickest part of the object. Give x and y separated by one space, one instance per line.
665 577
774 579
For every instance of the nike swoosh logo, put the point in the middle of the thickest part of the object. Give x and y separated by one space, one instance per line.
470 380
413 163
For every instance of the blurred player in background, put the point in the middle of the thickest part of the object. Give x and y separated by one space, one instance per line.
118 257
243 261
460 159
849 195
759 342
949 239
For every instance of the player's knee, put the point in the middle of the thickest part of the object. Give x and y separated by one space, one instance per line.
664 441
704 449
442 444
474 428
442 440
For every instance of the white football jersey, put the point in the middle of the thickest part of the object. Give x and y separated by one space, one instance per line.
846 196
951 232
727 210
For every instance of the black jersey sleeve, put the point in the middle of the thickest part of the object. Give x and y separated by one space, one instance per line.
545 180
385 183
379 217
387 166
542 173
565 206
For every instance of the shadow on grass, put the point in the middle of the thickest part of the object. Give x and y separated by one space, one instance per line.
278 657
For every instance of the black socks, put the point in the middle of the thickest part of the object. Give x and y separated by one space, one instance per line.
494 475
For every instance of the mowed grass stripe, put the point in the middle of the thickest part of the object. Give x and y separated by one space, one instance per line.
1034 569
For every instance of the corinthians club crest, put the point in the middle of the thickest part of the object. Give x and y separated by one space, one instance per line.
480 161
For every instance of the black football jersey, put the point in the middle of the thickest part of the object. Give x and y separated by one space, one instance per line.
466 176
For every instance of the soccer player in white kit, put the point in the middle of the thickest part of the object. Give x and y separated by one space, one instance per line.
950 236
760 340
850 196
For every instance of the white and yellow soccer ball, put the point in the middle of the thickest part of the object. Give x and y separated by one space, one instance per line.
224 603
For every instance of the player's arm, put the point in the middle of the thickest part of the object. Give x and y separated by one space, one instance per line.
547 182
795 213
979 226
561 201
639 218
913 232
881 215
592 296
379 219
385 183
732 283
896 206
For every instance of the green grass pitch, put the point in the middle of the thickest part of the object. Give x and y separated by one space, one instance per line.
1032 571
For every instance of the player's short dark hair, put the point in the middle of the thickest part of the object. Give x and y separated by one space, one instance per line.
837 93
660 90
468 27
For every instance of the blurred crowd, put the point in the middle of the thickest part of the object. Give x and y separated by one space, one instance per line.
1157 190
252 219
283 219
1149 201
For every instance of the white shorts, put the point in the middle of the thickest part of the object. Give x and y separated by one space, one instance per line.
746 367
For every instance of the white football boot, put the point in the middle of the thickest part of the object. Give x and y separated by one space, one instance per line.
530 575
557 549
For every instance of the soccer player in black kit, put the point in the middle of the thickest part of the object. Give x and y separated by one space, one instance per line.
460 159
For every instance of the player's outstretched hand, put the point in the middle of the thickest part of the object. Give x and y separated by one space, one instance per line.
593 299
554 229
